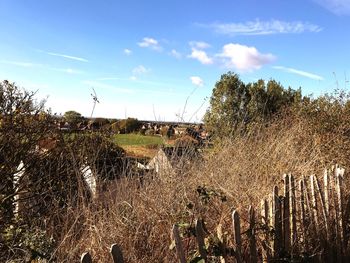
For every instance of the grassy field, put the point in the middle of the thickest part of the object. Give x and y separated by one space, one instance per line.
139 145
137 139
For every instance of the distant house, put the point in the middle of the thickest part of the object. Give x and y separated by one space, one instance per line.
169 160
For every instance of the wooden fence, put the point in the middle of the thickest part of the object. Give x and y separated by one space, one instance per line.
306 221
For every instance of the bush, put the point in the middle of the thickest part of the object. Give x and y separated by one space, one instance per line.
186 141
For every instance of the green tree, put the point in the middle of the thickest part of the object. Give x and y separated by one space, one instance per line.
73 118
234 104
129 125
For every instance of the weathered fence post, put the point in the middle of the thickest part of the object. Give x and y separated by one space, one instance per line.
293 212
222 243
237 236
277 223
200 239
314 203
117 254
286 214
178 244
266 254
251 235
323 205
302 216
86 258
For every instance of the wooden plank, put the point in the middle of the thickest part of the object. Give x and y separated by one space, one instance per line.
326 190
286 214
237 236
266 253
251 235
117 254
293 220
222 243
178 244
339 191
200 239
277 223
303 225
314 204
323 206
86 258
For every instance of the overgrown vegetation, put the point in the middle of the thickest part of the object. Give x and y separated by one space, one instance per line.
59 217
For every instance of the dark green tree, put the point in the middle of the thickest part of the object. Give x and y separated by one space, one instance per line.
73 118
234 104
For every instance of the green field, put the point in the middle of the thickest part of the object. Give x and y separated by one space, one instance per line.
137 139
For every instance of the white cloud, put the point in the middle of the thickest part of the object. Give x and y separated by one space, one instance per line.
133 78
199 44
139 70
69 70
150 43
127 52
65 56
299 72
338 7
258 27
20 63
197 81
175 54
201 56
244 58
96 84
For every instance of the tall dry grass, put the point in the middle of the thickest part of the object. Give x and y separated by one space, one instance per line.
238 172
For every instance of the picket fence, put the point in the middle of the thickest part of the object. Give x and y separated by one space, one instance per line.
308 222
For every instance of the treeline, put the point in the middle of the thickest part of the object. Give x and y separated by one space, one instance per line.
73 120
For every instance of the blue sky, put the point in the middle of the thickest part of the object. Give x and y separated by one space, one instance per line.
160 59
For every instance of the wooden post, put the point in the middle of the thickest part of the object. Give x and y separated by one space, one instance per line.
222 243
303 226
277 223
86 258
326 190
200 239
286 214
237 236
266 254
323 206
314 203
178 244
117 254
293 220
339 191
251 235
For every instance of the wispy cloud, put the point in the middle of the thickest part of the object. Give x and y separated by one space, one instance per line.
175 54
64 56
244 58
21 63
69 70
201 56
258 27
127 52
97 84
139 70
338 7
148 42
197 81
299 72
199 44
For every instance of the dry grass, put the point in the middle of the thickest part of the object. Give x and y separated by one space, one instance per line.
139 215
